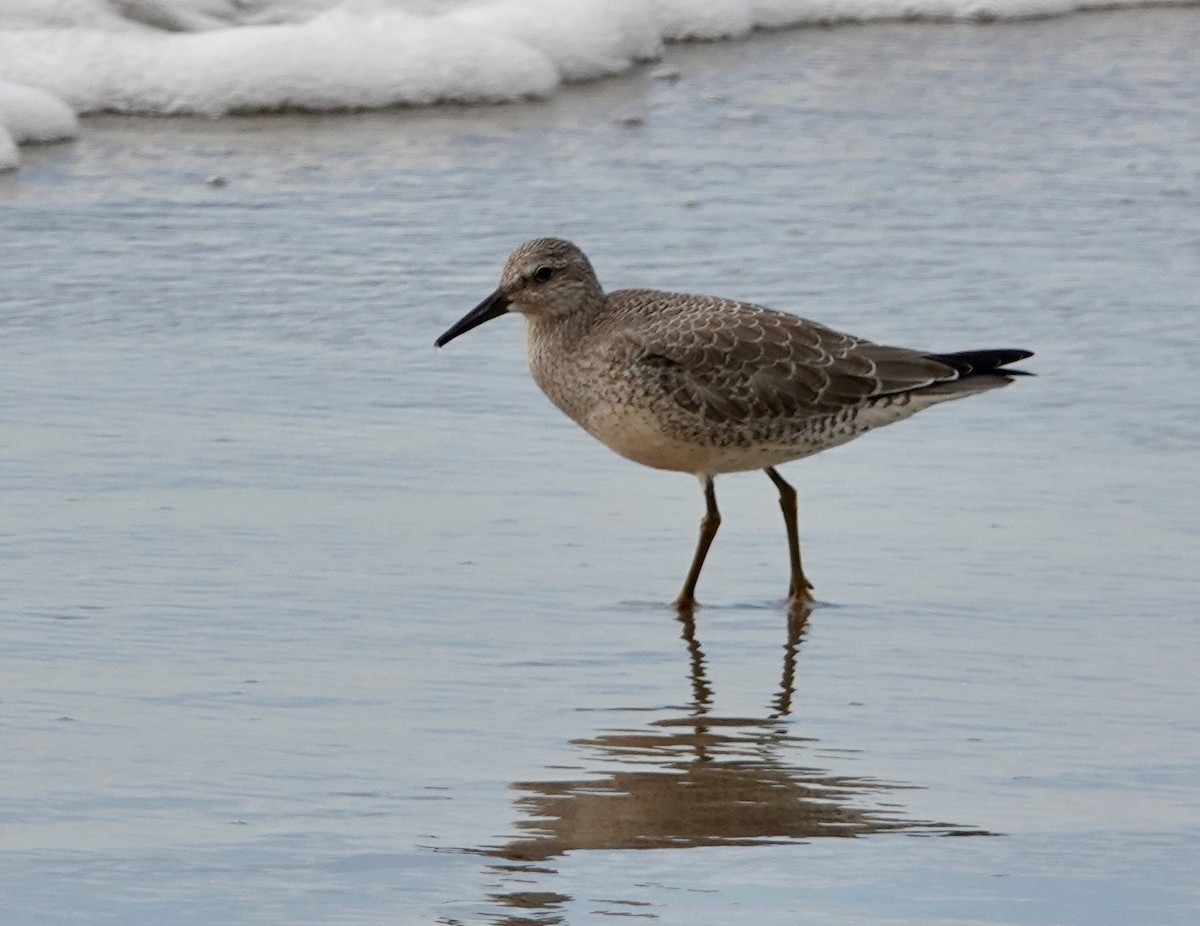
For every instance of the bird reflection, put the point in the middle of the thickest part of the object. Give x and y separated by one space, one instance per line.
692 780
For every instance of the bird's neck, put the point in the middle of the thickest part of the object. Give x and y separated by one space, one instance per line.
563 332
557 350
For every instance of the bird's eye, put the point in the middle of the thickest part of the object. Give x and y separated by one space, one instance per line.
543 274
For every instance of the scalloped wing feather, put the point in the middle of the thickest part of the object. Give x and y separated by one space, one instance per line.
730 361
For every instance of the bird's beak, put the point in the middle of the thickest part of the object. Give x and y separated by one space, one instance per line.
493 306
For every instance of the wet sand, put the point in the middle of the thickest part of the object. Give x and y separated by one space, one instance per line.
306 622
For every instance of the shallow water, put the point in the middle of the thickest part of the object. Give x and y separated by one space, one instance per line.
306 622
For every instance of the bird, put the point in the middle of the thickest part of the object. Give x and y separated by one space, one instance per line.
708 386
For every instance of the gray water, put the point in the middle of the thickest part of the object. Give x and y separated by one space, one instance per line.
305 622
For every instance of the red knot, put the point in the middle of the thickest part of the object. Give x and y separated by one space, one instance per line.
702 385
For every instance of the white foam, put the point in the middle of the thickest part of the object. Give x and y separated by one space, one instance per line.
9 158
30 115
221 56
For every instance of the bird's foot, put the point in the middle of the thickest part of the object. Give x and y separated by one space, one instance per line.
685 606
800 592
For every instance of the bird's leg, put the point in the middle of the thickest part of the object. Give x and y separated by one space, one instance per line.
799 589
708 530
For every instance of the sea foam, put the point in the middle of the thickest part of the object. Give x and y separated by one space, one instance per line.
30 115
223 56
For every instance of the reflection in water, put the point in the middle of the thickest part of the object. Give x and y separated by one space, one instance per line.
695 780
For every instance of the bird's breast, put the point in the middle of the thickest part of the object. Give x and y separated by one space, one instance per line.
610 403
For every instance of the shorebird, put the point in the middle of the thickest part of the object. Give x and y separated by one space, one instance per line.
703 385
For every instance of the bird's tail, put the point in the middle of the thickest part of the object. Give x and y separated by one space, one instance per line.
978 371
981 362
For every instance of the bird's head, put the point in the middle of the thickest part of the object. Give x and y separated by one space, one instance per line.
544 279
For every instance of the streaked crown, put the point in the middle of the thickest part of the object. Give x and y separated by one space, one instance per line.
549 277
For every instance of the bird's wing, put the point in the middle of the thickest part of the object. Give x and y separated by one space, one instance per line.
730 360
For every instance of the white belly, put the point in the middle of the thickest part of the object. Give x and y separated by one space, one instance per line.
635 434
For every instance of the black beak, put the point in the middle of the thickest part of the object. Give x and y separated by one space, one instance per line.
493 306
